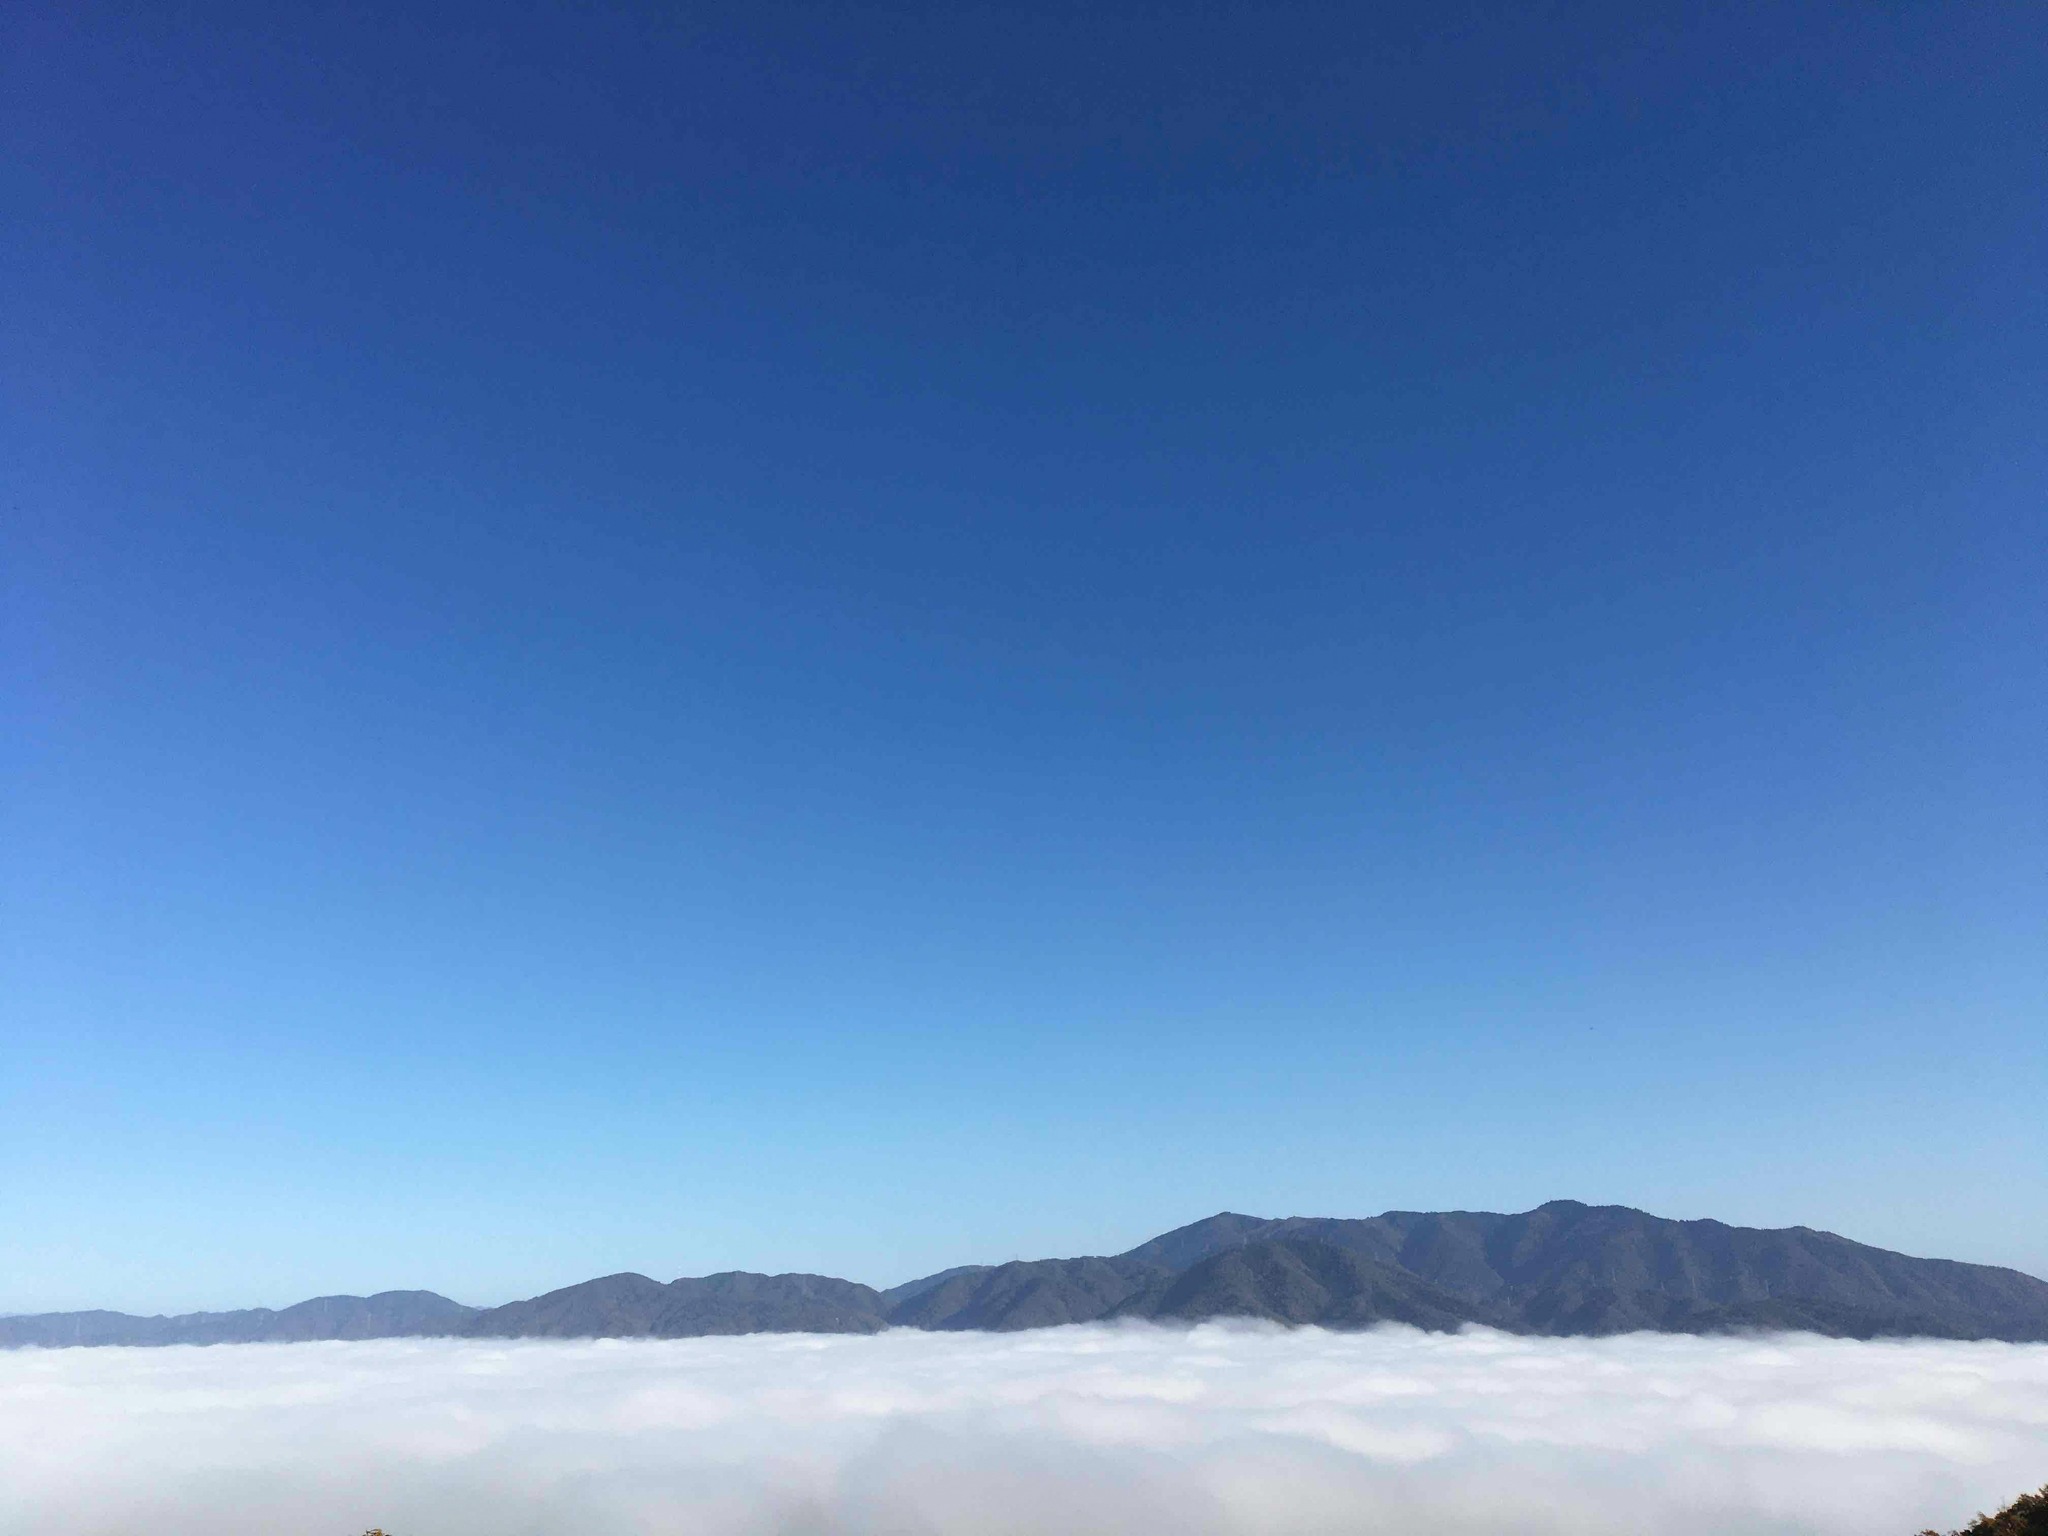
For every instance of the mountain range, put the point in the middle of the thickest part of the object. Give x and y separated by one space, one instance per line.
1562 1269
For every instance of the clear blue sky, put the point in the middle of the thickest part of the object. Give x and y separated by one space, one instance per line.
858 637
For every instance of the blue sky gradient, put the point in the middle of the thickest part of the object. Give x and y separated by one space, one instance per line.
859 637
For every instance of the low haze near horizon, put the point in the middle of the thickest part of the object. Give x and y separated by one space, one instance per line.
860 638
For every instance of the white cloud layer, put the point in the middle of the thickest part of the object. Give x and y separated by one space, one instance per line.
1095 1431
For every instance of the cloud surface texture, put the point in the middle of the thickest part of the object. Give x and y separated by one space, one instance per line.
1088 1431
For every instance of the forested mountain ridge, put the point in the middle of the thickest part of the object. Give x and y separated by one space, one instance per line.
1563 1268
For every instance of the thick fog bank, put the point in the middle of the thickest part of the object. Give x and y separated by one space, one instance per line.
1217 1431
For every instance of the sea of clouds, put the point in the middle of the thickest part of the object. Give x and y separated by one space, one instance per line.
1089 1431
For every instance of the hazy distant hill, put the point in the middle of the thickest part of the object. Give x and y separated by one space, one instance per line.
1564 1268
633 1306
387 1315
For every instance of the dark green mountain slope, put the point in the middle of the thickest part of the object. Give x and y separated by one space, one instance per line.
1039 1294
896 1295
1576 1269
1299 1281
1189 1245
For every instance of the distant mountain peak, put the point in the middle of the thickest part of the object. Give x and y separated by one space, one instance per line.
1563 1268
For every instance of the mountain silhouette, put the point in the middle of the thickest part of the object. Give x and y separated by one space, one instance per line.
387 1315
1561 1269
